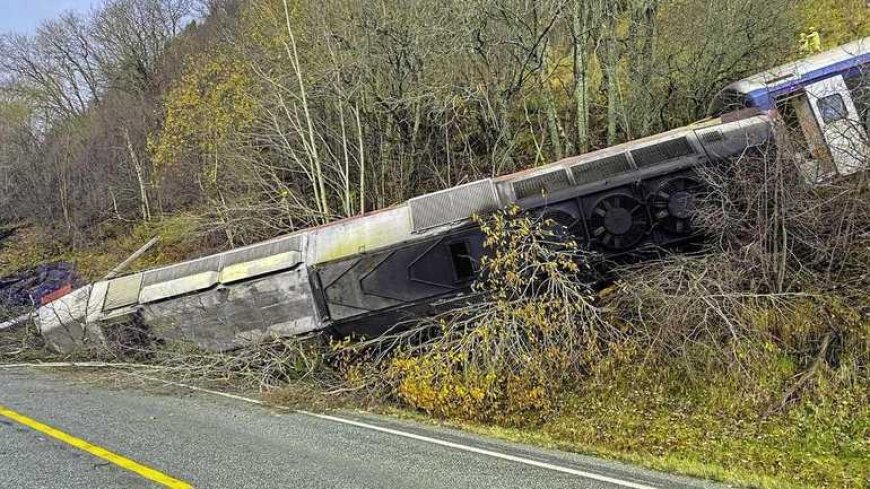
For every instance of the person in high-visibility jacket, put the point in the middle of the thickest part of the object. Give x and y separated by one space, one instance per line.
812 42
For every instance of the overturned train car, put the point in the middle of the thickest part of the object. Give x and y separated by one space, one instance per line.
363 274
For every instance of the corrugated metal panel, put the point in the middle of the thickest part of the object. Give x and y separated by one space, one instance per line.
262 250
714 136
661 152
207 264
452 205
539 185
601 169
736 136
123 292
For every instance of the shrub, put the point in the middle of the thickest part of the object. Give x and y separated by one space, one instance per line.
506 357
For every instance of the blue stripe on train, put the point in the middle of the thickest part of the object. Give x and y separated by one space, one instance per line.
765 98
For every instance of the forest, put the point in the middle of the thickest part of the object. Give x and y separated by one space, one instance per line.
255 118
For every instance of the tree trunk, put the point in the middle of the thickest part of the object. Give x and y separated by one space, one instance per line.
313 155
552 115
362 163
611 68
581 91
642 33
144 204
505 132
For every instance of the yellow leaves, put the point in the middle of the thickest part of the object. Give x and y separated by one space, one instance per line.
470 394
212 102
506 361
559 70
265 24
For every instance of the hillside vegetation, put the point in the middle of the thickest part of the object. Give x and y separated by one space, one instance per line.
219 124
265 116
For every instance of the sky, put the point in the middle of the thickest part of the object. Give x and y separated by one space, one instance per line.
24 15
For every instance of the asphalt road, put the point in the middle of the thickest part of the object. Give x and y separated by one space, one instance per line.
208 441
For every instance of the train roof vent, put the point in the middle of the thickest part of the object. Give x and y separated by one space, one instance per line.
712 137
262 250
451 205
538 185
601 169
207 264
661 152
122 292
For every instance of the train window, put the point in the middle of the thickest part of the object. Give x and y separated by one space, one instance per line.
859 85
832 108
728 100
461 258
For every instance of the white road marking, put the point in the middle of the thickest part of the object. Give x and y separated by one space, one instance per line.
413 436
481 451
199 389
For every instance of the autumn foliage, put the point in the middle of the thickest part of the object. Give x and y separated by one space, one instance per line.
507 357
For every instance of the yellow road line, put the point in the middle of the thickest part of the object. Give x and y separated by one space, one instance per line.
123 462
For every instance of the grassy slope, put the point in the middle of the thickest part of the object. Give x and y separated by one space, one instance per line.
712 432
717 431
179 240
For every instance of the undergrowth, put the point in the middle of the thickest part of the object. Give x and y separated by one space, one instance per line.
180 239
22 344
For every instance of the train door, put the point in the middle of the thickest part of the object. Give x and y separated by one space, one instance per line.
845 135
813 156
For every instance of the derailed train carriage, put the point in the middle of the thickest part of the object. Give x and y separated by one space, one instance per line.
363 274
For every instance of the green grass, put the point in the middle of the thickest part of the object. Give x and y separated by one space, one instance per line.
820 442
726 427
676 463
